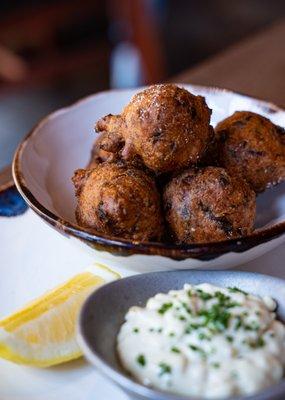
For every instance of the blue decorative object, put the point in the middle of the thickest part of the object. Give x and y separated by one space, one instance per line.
11 203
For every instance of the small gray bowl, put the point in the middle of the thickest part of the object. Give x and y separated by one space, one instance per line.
103 313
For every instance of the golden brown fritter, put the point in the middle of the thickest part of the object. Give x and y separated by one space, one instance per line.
107 147
207 204
166 126
250 145
110 123
117 200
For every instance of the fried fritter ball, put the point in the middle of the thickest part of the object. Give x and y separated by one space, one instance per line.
166 126
250 145
208 204
118 201
109 145
106 147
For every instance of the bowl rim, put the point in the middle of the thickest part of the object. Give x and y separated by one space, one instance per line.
129 383
204 251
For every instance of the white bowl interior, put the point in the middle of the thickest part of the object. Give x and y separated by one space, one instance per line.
61 143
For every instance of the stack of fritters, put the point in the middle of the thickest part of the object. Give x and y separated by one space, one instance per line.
159 171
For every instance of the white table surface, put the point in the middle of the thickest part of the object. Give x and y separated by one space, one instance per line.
34 258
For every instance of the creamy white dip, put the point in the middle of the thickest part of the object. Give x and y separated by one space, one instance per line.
204 341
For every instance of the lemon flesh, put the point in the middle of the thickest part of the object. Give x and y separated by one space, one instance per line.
43 333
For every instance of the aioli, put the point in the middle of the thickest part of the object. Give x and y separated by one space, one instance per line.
204 341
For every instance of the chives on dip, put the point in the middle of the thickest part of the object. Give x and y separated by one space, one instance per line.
204 341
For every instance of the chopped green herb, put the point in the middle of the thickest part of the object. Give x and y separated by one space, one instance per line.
237 290
171 334
185 306
225 301
222 297
254 326
229 338
238 323
216 365
203 336
194 348
182 318
216 318
192 327
165 307
259 343
136 330
175 350
198 349
141 360
234 304
188 329
204 295
157 330
164 369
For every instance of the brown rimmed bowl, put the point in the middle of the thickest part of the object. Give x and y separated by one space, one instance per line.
46 159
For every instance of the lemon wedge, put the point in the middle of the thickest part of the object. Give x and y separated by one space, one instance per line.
43 333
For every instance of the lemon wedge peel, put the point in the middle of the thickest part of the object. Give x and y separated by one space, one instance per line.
43 333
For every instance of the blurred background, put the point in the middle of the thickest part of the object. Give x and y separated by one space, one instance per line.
55 51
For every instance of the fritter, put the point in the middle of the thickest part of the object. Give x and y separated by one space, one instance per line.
117 200
166 126
109 145
250 145
106 147
208 204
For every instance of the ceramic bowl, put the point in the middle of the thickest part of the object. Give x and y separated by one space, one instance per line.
103 314
60 143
